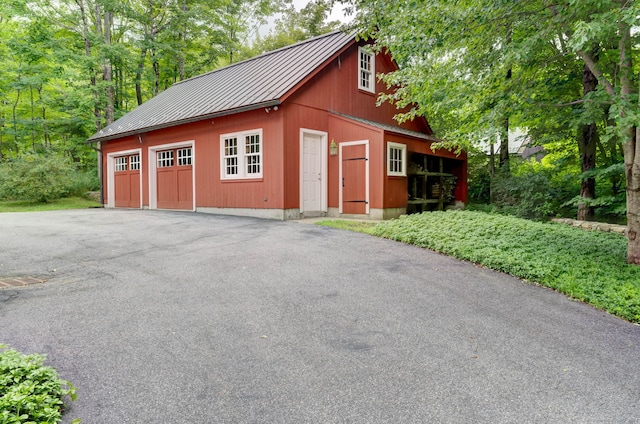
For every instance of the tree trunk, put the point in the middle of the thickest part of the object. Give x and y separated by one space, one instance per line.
631 149
139 71
492 171
107 71
504 147
504 137
587 142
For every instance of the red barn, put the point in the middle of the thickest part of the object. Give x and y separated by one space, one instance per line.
291 133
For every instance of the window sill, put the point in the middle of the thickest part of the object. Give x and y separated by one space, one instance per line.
242 180
363 91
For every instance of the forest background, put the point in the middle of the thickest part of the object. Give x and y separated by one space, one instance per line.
564 74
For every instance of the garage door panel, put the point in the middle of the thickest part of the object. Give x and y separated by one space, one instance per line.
126 181
134 184
175 179
167 188
185 186
122 190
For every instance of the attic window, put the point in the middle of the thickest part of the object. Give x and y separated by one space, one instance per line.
241 155
366 70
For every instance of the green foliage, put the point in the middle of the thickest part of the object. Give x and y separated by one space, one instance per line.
294 26
66 203
35 177
479 179
30 392
589 266
359 226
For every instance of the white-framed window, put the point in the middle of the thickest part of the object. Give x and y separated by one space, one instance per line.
165 158
396 159
121 163
184 156
134 162
241 155
366 70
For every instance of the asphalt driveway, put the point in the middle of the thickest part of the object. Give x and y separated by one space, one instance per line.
190 318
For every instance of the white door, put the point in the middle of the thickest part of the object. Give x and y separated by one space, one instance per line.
312 178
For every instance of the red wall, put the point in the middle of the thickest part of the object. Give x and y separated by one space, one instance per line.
335 89
210 190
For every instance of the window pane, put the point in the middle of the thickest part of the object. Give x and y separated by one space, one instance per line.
134 162
165 159
184 156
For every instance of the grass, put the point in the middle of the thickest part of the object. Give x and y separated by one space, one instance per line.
586 265
66 203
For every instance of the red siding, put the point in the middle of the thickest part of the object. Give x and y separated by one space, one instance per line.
211 191
342 130
335 89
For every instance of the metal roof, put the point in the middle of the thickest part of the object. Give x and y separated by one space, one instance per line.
389 128
251 84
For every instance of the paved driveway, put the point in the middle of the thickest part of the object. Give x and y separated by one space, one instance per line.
190 318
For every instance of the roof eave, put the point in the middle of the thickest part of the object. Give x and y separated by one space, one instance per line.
269 103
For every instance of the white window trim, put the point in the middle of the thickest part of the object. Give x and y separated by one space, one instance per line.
372 81
242 170
403 158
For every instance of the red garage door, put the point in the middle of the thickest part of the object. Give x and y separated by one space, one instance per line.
175 178
127 181
354 179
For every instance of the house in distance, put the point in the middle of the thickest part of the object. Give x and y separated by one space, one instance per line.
288 134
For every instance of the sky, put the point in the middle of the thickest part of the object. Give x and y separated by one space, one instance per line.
336 14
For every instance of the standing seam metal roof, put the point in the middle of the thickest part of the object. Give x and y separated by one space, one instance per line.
253 83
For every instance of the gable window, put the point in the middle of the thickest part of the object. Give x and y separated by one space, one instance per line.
241 155
396 159
366 70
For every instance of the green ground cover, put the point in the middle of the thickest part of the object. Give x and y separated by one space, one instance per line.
586 265
30 392
65 203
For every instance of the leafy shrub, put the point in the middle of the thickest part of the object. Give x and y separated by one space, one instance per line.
83 181
586 265
29 391
35 177
527 196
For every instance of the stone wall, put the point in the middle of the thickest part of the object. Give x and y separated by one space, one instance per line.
597 226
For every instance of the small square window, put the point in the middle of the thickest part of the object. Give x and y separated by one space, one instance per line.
134 162
396 159
184 156
121 163
165 159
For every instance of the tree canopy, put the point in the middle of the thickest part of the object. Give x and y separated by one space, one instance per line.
478 67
